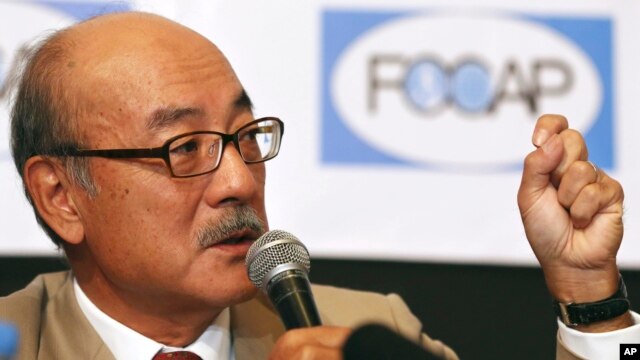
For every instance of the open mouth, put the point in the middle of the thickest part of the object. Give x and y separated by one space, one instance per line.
235 240
240 237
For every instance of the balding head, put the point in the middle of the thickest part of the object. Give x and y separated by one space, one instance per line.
127 43
121 56
66 74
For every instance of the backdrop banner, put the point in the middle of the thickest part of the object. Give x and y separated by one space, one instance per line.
407 122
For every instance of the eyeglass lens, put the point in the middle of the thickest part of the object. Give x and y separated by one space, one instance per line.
199 153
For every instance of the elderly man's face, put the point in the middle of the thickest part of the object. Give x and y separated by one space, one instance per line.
139 85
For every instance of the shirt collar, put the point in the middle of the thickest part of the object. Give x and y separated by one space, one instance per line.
127 344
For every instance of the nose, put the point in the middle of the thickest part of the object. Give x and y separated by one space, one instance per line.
234 182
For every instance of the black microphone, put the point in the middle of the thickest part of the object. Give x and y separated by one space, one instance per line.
376 342
278 264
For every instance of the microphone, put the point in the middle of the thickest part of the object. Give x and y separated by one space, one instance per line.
376 342
278 264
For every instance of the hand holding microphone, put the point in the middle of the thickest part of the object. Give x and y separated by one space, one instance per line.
278 264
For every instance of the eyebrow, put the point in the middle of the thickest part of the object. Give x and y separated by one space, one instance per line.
166 116
243 102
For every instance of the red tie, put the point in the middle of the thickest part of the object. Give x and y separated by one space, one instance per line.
177 355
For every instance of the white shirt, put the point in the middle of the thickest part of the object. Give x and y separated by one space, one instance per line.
600 346
127 344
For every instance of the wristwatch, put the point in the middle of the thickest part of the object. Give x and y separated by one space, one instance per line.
581 314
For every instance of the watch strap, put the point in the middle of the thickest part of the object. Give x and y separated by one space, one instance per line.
586 313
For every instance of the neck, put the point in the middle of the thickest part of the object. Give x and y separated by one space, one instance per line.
169 324
170 320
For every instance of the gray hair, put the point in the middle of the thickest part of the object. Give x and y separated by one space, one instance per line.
43 114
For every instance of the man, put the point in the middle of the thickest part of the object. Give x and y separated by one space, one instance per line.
156 237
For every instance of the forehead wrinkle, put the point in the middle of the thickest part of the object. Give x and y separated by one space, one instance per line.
167 116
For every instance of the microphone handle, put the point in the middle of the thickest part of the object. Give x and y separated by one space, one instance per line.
290 293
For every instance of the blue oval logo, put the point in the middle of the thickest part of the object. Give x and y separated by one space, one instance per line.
460 90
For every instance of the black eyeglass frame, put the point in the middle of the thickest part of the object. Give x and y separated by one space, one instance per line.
162 152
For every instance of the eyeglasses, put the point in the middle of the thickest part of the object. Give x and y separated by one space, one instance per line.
199 152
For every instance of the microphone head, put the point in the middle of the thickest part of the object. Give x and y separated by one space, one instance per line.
273 252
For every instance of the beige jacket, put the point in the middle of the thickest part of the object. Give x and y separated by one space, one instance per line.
52 326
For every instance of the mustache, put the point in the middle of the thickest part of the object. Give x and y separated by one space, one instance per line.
234 220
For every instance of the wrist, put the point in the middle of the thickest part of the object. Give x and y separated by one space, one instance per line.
609 312
582 286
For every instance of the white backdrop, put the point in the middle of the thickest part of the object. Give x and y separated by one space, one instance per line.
406 121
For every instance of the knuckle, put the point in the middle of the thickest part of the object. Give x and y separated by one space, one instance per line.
590 193
573 136
614 186
613 183
582 169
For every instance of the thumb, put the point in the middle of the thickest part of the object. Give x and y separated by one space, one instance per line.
536 175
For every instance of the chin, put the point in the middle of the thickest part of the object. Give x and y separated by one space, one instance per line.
243 294
250 294
234 287
244 288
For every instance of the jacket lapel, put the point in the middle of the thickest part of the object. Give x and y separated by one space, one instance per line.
65 327
255 327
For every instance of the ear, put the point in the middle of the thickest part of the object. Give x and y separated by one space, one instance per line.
52 197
